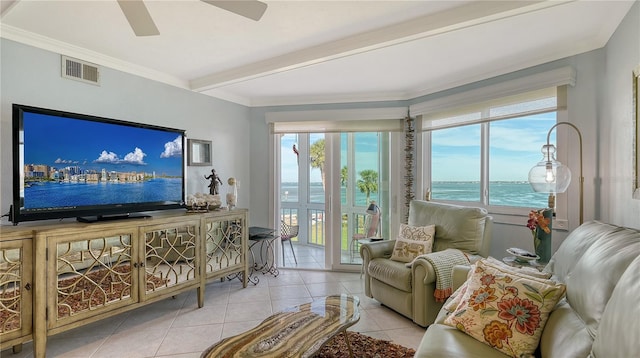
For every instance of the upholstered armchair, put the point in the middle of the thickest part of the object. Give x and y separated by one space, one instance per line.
409 289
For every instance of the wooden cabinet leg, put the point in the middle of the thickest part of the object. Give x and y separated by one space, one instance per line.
200 297
17 348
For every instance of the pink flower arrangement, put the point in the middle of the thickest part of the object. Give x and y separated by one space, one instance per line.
537 220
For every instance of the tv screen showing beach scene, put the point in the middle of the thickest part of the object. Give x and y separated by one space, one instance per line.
70 162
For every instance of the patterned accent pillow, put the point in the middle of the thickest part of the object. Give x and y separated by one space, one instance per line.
412 242
418 233
452 304
506 311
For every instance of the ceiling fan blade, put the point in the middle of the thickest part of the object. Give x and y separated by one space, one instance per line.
251 9
139 18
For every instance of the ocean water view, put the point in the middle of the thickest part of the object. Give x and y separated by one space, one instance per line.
66 194
518 194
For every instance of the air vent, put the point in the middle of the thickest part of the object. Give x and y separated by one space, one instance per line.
80 70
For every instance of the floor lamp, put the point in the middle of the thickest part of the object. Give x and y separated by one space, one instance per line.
551 176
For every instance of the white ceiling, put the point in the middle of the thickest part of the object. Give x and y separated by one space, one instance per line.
319 51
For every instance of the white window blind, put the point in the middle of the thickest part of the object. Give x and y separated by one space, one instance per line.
337 121
528 95
524 104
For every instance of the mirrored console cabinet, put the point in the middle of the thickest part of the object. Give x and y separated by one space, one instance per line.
56 277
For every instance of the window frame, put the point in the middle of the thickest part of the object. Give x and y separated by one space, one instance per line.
503 214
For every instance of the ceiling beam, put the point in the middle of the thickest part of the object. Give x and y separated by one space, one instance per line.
468 15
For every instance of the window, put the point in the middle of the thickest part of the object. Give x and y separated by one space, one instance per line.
481 153
514 147
455 163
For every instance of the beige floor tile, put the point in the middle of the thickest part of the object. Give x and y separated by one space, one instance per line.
326 288
131 343
190 339
206 315
149 317
183 355
389 319
285 279
74 347
233 328
291 291
354 287
238 312
366 323
249 294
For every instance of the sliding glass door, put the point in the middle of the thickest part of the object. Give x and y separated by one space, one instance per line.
327 182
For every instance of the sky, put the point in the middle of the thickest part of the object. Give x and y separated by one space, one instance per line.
366 158
515 149
60 142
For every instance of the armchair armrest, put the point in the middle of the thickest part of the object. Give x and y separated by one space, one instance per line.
370 251
377 249
424 284
459 275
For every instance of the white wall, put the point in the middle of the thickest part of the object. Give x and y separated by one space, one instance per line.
615 134
31 76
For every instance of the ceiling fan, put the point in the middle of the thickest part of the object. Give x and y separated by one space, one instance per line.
142 24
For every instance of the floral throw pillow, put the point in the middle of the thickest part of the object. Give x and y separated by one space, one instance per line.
456 297
506 311
412 242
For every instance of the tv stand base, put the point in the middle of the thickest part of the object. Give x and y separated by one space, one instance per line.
98 218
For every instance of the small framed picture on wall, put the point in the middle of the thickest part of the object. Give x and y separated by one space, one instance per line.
199 152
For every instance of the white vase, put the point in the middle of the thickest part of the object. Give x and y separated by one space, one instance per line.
232 194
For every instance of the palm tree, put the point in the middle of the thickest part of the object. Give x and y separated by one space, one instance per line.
344 176
368 183
316 157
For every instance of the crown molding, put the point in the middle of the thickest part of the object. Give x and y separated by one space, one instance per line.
46 43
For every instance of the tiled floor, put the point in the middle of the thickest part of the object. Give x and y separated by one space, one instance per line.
177 328
312 257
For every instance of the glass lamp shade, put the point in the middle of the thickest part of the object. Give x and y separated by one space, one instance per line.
549 175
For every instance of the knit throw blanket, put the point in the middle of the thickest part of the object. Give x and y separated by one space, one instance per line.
443 262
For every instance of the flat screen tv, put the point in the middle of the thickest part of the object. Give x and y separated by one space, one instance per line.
75 165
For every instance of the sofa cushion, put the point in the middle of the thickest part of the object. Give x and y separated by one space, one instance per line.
591 278
412 242
505 310
442 341
393 273
620 328
457 227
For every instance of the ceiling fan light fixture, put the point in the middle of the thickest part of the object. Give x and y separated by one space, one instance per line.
251 9
138 17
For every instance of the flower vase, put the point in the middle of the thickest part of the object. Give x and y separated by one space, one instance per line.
542 240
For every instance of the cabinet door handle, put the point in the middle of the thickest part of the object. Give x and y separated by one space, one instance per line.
27 286
135 265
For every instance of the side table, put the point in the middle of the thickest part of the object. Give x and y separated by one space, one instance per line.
264 239
513 262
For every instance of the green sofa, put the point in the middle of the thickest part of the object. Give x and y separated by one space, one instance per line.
599 316
410 290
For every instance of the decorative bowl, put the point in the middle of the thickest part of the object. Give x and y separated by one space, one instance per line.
522 255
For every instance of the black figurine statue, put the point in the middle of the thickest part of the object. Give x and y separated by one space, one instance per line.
213 187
